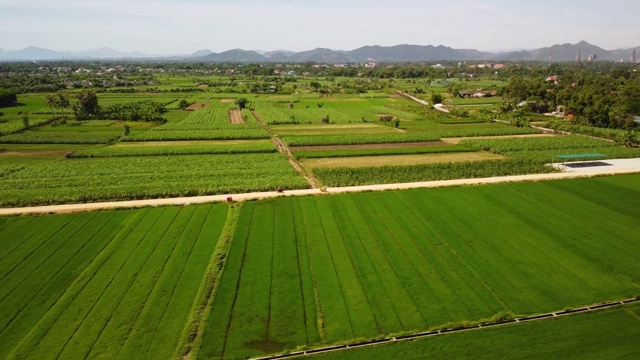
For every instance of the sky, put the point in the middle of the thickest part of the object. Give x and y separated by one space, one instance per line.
184 26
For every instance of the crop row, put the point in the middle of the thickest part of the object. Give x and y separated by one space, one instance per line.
343 176
261 104
502 146
199 134
302 272
258 146
310 154
89 180
116 284
352 139
209 116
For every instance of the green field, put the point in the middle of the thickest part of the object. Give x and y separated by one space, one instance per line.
323 270
114 284
179 148
139 177
310 154
607 334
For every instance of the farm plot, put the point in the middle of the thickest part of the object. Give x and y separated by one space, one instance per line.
78 133
341 111
545 148
90 180
310 130
357 138
198 133
161 148
323 270
397 160
312 152
115 284
581 336
393 173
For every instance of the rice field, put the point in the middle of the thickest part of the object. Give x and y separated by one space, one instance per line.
581 336
305 272
114 284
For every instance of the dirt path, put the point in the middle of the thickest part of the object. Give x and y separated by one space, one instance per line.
596 171
259 117
282 147
235 116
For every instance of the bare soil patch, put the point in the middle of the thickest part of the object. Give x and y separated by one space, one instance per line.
203 86
235 116
196 106
226 101
395 96
33 152
371 146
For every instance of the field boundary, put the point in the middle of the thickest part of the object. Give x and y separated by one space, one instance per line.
183 201
434 333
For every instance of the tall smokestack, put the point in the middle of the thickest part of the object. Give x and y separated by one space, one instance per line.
633 56
578 56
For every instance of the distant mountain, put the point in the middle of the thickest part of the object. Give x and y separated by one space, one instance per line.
235 55
201 53
36 53
398 53
321 55
566 52
414 53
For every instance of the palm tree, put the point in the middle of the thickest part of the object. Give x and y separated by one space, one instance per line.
63 103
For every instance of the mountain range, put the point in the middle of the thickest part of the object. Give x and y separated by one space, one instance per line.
398 53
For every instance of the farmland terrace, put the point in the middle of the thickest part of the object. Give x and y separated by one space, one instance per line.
125 234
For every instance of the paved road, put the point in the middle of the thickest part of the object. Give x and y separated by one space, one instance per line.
625 166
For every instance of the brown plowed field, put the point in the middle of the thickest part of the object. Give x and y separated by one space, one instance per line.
235 117
196 106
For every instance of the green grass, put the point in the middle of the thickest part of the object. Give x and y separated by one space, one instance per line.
310 154
90 180
607 334
114 284
303 272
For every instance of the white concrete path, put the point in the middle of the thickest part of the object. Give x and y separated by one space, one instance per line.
617 167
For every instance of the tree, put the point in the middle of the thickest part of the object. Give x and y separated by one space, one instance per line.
86 106
241 102
58 101
8 97
436 98
25 122
183 104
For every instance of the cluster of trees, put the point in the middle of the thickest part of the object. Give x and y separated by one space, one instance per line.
8 97
603 99
86 107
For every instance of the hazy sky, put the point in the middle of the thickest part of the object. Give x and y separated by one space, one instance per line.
184 26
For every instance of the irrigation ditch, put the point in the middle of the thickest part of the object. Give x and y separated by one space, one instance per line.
433 333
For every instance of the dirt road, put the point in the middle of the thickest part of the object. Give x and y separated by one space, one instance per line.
584 172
